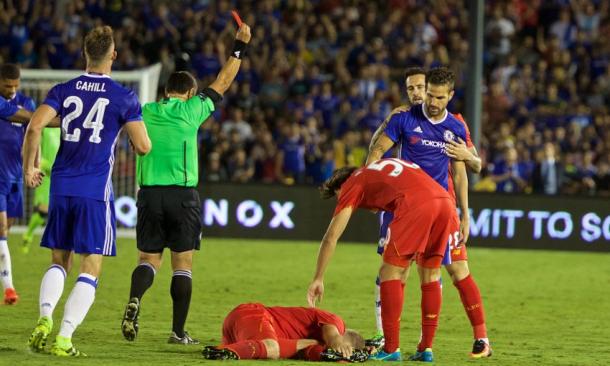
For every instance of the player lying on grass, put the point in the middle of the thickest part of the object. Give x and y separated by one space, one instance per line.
255 331
424 217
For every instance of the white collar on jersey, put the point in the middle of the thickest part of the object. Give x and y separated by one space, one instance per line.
96 75
423 108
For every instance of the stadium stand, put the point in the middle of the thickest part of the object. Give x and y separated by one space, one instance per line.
321 75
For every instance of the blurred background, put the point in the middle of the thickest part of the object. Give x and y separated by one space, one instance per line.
320 76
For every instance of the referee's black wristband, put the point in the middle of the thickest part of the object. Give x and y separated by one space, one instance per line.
239 49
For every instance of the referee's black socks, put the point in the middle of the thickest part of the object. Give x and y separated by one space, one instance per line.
141 279
180 290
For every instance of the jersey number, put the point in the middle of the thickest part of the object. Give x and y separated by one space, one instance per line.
398 165
94 119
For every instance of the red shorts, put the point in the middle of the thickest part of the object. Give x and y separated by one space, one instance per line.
248 321
424 229
458 253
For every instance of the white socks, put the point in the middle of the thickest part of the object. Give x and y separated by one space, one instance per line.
78 304
51 288
6 274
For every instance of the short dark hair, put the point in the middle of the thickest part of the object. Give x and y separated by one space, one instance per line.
97 43
354 338
180 82
416 70
10 72
441 76
328 189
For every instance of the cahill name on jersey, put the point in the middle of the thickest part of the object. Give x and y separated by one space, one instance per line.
423 141
93 108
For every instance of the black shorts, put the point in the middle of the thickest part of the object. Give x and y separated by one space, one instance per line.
168 216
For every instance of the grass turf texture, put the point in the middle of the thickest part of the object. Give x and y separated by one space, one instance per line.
543 308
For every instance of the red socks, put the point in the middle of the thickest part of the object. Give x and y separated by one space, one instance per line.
392 297
431 299
249 350
471 298
313 353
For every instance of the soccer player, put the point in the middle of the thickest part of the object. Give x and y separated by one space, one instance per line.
415 82
48 150
431 136
13 107
169 210
256 331
424 220
93 109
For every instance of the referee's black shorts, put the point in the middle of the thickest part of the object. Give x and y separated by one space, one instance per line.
168 216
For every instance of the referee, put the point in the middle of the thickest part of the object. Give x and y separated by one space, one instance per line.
169 210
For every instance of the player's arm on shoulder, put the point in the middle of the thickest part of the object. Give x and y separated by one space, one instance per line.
474 164
460 179
231 67
381 142
31 144
138 137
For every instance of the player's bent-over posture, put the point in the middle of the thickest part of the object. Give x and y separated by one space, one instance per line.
93 109
169 210
256 331
14 109
424 219
432 137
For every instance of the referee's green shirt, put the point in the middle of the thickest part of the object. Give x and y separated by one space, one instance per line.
172 126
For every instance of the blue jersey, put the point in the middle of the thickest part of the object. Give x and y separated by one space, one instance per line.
422 140
11 137
93 108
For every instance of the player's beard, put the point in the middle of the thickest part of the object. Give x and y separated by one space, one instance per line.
417 101
433 111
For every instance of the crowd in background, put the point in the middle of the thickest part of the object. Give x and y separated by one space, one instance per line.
320 76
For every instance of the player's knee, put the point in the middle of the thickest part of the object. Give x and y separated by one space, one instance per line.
273 349
389 272
91 264
182 260
458 270
154 260
430 275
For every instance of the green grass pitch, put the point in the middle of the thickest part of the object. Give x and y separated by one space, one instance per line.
543 308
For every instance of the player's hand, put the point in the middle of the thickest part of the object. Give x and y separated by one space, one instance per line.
315 292
458 150
342 346
464 230
33 178
243 33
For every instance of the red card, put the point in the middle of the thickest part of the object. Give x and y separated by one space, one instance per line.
237 18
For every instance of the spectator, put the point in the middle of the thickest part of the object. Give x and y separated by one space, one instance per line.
548 175
237 123
509 174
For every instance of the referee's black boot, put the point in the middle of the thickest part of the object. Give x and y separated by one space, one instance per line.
129 326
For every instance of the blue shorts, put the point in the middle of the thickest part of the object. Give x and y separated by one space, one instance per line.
11 198
385 218
82 225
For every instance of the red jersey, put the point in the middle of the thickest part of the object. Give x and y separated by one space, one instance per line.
469 144
303 323
388 184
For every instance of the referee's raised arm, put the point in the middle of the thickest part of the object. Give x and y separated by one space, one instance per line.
231 67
